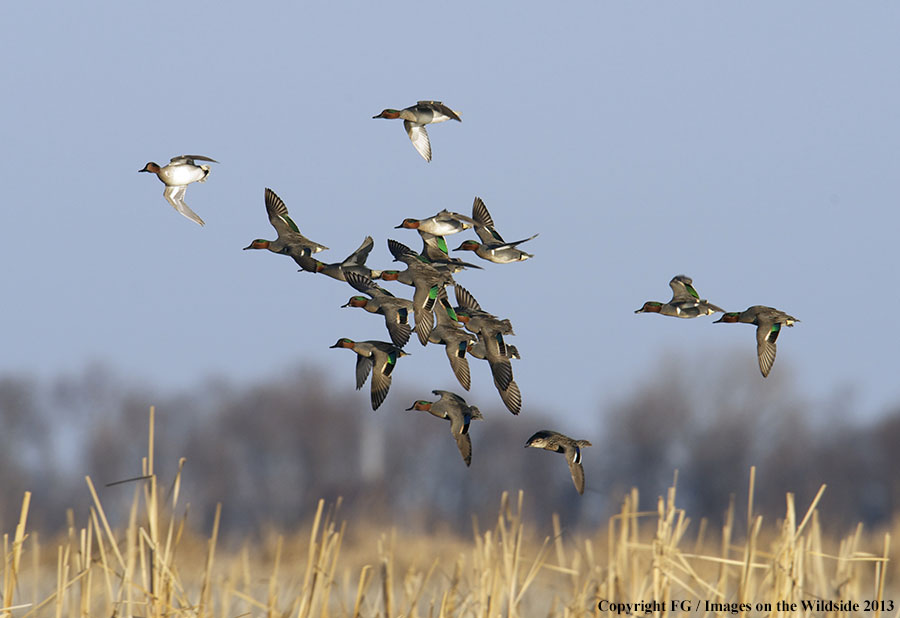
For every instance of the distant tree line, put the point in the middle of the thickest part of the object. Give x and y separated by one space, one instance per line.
269 451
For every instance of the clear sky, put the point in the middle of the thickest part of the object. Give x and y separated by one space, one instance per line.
753 147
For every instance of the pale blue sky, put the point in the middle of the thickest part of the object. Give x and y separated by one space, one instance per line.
752 147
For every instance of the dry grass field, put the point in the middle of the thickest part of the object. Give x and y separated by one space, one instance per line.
656 560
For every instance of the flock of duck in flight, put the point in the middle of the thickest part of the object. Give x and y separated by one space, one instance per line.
464 328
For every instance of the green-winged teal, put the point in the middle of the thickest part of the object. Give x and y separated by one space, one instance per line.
768 323
177 175
395 310
416 117
492 246
453 408
441 224
380 355
555 441
355 262
685 303
290 241
428 281
490 330
454 338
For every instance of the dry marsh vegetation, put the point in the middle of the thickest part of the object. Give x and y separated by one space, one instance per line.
156 565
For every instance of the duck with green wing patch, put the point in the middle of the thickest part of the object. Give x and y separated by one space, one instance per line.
453 408
378 357
685 303
396 311
768 323
492 246
290 241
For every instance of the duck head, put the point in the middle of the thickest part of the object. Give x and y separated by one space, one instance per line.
729 317
462 315
538 440
343 342
259 243
390 114
410 224
651 306
356 301
390 275
424 406
151 167
468 245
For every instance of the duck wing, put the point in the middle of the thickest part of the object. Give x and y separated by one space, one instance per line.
463 443
440 108
480 213
419 138
511 396
465 299
452 398
573 457
423 309
359 257
511 245
381 379
434 247
683 289
278 215
766 334
175 196
189 159
363 284
484 223
397 321
363 367
456 353
401 252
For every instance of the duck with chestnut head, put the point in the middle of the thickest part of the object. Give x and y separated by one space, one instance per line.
177 175
768 322
453 408
377 357
685 302
415 117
